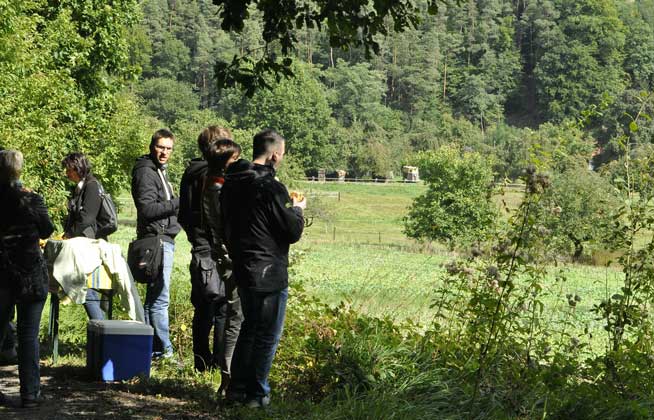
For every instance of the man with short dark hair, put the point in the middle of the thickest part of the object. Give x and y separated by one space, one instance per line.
260 221
156 214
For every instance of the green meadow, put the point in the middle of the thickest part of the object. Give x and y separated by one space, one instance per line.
355 252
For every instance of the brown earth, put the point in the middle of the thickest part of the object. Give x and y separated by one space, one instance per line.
69 394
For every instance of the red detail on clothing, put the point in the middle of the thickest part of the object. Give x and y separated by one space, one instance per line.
217 180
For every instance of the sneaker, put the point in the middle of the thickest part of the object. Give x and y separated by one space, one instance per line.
168 354
9 356
235 397
30 403
258 402
224 384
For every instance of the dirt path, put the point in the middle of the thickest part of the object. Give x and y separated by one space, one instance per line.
70 395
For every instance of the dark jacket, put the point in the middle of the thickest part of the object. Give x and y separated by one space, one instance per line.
23 220
212 218
83 209
154 213
190 204
260 222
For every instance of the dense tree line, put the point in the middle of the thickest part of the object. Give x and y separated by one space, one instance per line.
524 81
494 75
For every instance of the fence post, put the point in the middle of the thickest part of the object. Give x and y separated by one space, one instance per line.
339 196
334 234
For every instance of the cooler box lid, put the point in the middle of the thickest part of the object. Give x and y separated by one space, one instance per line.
119 327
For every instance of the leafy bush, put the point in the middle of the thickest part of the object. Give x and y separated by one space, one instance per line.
457 204
575 209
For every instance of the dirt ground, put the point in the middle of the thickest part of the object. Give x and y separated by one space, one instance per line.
69 394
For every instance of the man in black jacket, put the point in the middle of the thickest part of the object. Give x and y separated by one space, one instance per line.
223 315
156 214
260 221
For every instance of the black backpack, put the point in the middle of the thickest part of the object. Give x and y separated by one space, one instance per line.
107 220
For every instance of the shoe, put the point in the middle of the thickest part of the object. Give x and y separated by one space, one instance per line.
258 402
235 397
9 356
30 403
168 354
224 383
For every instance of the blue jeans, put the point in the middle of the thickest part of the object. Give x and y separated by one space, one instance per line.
157 298
92 304
29 318
261 330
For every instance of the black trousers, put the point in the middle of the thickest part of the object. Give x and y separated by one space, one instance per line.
224 317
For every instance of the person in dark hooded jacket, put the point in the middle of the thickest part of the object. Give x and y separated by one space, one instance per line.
229 316
156 214
260 221
221 315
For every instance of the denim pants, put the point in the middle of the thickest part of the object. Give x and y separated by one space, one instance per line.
263 323
157 299
92 304
29 318
224 317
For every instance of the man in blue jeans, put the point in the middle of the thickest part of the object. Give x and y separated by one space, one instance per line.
156 214
260 221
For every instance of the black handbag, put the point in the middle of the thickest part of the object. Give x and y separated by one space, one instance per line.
145 258
27 284
212 285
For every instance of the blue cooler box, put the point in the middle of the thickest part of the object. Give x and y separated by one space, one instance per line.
118 350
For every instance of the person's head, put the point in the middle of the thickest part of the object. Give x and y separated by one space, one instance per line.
77 166
268 147
161 145
221 153
11 165
211 134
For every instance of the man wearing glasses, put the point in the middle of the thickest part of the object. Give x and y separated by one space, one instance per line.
156 214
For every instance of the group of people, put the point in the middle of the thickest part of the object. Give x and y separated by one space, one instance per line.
240 221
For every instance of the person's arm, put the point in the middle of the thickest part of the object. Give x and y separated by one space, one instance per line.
289 218
85 223
184 216
43 223
146 199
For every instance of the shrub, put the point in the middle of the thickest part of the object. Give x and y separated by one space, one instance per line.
457 204
574 210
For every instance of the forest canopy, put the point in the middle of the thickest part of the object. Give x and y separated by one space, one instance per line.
526 81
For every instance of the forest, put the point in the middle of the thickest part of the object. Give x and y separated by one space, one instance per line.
519 81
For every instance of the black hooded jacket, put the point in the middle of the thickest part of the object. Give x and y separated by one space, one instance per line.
259 222
190 203
154 213
83 209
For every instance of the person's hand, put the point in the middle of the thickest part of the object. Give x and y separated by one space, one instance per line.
299 200
301 203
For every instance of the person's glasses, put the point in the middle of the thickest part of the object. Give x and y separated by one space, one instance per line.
163 148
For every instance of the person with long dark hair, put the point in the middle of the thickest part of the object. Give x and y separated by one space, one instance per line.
83 208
